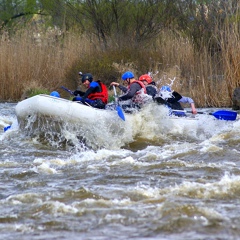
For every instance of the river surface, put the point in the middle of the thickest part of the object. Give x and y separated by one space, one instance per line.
170 182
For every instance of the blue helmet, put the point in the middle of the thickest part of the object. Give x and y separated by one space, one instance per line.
55 94
127 75
165 88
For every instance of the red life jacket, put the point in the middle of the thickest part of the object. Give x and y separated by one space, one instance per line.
140 83
103 95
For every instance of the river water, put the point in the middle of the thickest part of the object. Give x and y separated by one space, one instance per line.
170 182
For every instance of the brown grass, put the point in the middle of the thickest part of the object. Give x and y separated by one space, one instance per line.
50 59
29 61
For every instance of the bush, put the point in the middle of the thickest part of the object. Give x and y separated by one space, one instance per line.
35 91
108 66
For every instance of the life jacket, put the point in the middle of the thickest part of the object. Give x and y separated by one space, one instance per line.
141 96
140 83
103 95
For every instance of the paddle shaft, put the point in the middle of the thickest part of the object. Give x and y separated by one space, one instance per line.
115 93
200 112
118 108
69 91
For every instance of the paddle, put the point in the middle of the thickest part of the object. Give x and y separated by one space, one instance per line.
71 92
118 107
222 115
6 128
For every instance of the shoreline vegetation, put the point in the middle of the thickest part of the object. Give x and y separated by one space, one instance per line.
200 59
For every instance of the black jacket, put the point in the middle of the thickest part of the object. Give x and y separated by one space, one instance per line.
171 102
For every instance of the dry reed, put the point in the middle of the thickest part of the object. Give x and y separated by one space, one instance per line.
42 59
30 61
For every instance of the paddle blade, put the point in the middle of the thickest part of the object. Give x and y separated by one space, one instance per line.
120 113
225 115
6 128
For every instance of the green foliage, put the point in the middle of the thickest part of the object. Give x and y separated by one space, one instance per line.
36 91
111 98
109 65
125 23
101 66
127 34
17 12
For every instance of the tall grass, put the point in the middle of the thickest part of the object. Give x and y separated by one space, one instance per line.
46 60
29 61
230 42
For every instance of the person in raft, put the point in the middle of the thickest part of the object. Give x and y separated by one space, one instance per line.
96 94
135 94
149 84
173 99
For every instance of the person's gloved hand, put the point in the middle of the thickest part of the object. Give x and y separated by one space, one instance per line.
76 92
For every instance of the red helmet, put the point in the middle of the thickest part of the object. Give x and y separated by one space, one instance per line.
146 78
